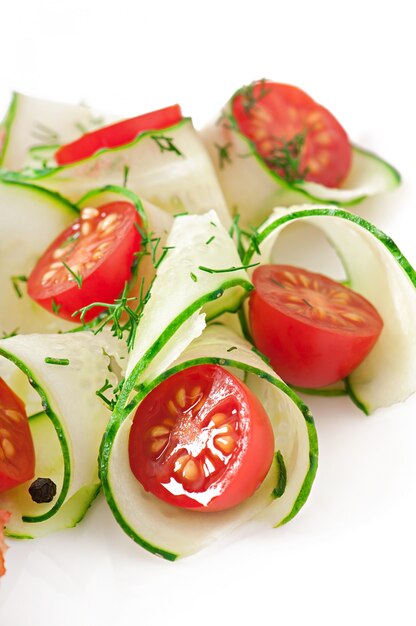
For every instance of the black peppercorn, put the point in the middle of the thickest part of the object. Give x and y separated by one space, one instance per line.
42 490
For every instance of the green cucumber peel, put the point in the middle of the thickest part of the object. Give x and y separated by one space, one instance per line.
301 187
121 413
66 457
386 267
6 126
42 173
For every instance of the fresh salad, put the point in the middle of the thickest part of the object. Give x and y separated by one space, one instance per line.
150 324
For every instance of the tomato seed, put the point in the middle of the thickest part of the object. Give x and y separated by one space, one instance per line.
59 253
13 415
172 408
107 222
89 213
86 228
353 317
48 276
8 447
158 431
158 444
225 443
190 470
196 391
181 397
180 462
324 139
304 280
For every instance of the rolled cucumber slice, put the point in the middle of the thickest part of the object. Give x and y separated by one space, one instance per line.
203 269
48 465
377 269
34 128
30 218
170 168
253 190
66 370
173 532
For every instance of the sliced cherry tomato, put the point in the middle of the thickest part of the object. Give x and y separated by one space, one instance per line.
17 454
117 135
89 262
314 330
4 518
201 440
296 137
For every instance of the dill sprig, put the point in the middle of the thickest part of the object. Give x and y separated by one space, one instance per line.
12 333
251 94
75 275
212 270
243 238
286 158
123 316
52 361
223 154
15 282
166 144
126 172
116 390
55 307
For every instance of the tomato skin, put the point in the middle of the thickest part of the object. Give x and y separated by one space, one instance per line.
276 113
17 453
213 452
316 346
116 135
103 280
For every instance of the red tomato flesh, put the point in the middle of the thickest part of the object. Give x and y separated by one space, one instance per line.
276 117
201 440
17 454
117 135
314 330
99 248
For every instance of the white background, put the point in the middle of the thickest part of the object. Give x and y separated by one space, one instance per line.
348 557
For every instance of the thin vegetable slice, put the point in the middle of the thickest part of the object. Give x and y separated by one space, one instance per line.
376 269
4 518
203 267
30 218
253 189
34 128
169 167
66 370
173 532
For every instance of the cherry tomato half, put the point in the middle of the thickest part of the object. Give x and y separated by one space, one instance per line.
89 262
296 137
117 135
201 440
314 330
17 454
4 518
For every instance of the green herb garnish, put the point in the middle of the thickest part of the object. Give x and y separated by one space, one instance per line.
15 282
166 144
76 275
52 361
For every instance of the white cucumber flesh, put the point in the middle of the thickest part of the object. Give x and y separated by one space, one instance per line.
170 168
34 128
30 219
78 417
376 269
173 532
253 190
